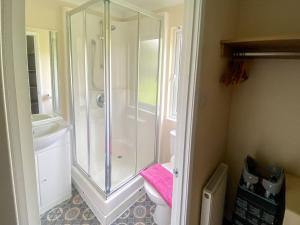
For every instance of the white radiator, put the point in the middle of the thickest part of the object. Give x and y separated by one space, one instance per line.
213 197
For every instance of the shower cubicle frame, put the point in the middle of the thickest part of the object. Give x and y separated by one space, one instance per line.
107 87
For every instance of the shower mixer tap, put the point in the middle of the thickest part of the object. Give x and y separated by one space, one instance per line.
100 100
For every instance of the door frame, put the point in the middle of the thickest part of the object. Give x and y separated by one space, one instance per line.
186 115
17 112
18 115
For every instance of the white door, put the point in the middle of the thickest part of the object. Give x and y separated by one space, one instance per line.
54 176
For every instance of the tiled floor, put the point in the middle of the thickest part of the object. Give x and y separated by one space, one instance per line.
76 212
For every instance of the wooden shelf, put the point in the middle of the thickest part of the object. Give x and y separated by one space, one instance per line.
266 48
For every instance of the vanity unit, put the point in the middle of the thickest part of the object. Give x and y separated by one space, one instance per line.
51 141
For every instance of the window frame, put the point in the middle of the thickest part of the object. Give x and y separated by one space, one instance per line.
174 71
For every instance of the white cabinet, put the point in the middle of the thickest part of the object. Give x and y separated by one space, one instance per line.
53 167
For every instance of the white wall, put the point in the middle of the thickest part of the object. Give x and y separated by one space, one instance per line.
264 119
213 101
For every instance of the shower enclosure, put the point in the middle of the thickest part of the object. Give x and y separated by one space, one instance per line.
115 50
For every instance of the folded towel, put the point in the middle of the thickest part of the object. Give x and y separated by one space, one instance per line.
162 181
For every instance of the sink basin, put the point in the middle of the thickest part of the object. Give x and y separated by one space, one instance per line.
46 134
39 119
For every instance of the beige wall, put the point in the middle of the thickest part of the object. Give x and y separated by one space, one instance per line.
7 208
174 19
268 18
48 14
213 100
264 118
44 14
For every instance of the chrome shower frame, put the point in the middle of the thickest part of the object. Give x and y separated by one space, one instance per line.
107 88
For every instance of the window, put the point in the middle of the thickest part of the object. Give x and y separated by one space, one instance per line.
149 54
147 78
174 72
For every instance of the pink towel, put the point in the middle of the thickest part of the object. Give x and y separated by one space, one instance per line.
162 181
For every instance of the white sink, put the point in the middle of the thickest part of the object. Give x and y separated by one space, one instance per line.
46 134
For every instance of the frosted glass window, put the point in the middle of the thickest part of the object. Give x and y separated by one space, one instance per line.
148 74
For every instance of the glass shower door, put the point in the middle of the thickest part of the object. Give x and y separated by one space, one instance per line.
87 65
148 75
124 48
96 91
79 86
114 59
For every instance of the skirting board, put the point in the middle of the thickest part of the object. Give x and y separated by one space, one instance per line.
55 203
116 212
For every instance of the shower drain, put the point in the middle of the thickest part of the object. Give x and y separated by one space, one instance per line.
119 157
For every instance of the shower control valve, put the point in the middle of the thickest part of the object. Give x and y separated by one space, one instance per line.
100 100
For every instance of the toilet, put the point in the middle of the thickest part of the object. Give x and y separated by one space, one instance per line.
162 214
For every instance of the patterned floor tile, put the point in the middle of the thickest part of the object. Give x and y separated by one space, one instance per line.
140 213
76 212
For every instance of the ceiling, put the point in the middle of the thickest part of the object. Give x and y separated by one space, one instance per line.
145 4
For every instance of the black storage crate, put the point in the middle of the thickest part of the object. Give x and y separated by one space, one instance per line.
252 207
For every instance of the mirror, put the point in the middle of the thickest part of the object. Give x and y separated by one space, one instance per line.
43 71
